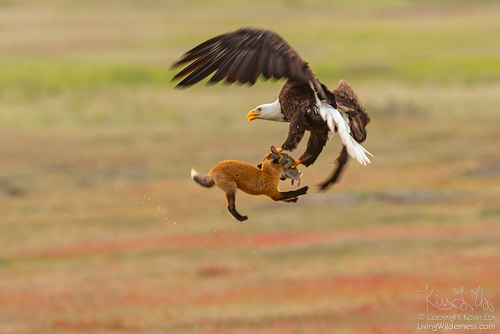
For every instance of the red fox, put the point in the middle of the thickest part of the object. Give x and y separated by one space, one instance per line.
231 175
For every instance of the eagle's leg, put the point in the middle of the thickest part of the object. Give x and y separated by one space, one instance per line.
315 144
341 160
296 131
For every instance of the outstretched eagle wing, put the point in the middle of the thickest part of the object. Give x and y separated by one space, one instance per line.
243 55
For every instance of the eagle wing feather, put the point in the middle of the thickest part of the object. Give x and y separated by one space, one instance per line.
243 55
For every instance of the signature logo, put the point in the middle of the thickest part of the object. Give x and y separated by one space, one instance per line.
459 300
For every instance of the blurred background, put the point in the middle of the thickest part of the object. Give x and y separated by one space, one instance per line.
103 231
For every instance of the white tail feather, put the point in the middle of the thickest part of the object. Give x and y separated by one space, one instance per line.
333 117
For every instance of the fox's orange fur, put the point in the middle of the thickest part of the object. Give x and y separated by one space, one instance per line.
231 175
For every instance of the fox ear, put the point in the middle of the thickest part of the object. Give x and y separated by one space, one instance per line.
273 149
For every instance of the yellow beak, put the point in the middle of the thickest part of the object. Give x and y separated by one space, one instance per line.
253 115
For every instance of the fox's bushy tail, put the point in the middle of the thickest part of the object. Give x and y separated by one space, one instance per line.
203 180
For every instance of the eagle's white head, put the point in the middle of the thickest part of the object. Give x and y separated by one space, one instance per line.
269 111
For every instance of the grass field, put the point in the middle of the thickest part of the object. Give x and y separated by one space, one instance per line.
103 231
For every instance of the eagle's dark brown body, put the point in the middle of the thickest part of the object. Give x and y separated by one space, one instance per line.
298 105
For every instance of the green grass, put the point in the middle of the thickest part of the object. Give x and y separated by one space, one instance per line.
103 230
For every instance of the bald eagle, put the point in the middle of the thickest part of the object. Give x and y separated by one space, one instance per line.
245 54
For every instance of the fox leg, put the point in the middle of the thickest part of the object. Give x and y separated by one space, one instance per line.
289 196
231 206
